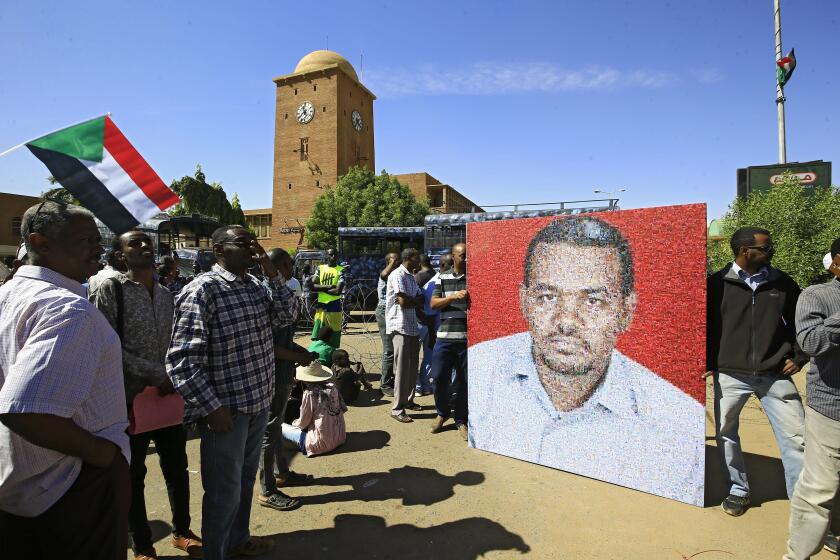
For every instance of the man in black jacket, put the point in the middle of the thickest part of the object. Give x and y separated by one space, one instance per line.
752 349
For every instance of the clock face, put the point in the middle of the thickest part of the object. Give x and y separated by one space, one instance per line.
357 120
305 112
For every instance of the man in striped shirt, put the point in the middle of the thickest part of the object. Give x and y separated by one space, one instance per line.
221 360
453 300
818 333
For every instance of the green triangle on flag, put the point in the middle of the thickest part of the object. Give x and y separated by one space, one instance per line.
82 141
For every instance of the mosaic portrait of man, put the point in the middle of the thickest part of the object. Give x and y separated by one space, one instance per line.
562 394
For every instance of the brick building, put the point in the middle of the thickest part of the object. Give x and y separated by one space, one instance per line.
12 207
323 126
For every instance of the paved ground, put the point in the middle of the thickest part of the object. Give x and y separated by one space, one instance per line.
397 491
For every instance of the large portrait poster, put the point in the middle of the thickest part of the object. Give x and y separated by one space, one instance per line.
587 342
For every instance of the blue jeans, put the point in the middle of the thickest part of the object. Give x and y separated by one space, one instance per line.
424 378
783 406
294 437
450 354
229 465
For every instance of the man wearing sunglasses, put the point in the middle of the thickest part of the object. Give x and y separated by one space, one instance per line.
752 349
221 360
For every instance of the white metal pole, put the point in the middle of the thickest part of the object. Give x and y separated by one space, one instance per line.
780 93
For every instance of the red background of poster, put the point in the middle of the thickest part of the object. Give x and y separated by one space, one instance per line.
668 332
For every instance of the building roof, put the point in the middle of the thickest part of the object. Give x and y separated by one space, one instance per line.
317 60
321 62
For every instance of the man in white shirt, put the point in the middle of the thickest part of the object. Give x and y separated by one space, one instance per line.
561 395
64 479
403 298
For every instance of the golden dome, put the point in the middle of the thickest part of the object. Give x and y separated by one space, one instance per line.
322 59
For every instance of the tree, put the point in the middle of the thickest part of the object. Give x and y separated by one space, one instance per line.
362 199
802 225
199 197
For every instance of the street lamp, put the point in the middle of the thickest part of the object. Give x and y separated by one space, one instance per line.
611 193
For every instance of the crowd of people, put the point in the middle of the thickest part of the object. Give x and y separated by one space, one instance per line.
78 365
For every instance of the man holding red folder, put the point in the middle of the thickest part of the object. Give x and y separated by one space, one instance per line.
141 311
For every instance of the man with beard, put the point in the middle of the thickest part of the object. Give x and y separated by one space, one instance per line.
752 349
562 395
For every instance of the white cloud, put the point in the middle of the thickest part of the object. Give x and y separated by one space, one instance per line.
708 75
494 78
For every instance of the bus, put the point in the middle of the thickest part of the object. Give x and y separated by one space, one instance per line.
442 231
185 238
363 250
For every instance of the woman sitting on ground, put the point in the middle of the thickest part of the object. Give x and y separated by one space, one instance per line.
320 428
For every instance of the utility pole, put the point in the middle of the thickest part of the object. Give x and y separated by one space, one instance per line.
780 92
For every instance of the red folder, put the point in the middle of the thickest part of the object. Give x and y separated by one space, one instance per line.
150 411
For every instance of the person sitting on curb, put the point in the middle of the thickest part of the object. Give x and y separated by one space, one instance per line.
349 376
320 428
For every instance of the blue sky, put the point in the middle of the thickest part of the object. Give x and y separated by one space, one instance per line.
509 102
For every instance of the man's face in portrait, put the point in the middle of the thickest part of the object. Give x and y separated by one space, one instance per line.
575 308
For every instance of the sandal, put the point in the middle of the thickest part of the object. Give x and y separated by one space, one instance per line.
292 478
254 546
279 501
413 406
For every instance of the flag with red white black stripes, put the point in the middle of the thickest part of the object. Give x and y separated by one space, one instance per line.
99 166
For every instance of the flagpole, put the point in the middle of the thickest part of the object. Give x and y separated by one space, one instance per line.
780 92
22 144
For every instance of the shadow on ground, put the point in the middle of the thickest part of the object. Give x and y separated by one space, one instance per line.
363 441
765 474
370 397
412 485
369 537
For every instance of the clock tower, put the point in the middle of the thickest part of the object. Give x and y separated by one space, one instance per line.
323 126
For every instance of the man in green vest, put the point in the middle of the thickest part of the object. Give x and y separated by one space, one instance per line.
328 283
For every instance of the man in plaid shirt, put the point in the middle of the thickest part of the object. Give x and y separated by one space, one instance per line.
221 360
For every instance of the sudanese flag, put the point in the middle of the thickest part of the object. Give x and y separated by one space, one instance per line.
100 167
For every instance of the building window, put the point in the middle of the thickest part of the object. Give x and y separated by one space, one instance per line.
317 183
295 91
286 116
304 149
16 223
325 109
261 224
290 186
315 87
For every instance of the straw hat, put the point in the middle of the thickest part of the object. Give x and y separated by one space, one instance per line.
313 373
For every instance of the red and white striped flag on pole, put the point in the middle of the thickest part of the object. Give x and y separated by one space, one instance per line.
100 167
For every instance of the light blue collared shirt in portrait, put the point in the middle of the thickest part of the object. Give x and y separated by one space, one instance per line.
636 429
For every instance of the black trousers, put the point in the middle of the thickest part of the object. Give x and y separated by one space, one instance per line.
171 447
87 523
273 462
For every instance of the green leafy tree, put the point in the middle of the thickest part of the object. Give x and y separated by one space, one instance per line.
802 225
363 199
58 193
200 197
